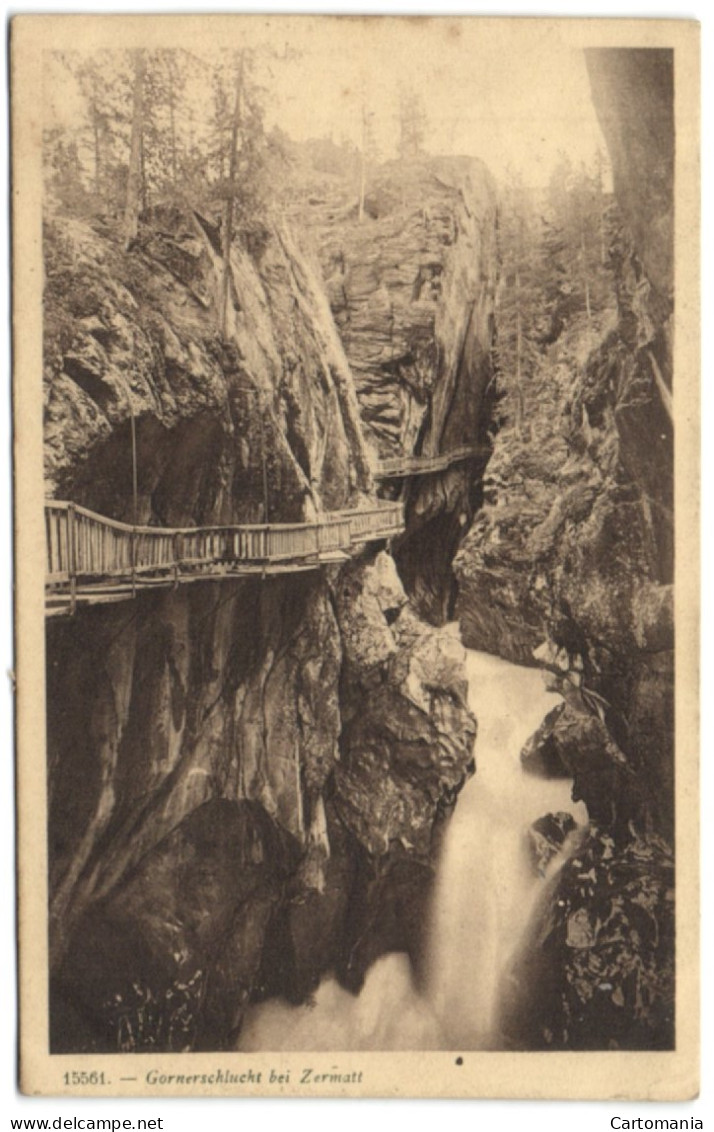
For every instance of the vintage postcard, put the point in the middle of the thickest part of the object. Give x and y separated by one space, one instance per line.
356 480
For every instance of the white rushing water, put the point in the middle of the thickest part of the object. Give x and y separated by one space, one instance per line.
486 886
485 892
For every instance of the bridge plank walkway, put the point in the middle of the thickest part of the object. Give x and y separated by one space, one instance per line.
398 467
92 559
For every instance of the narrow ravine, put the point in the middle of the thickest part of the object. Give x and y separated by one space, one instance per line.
263 826
486 890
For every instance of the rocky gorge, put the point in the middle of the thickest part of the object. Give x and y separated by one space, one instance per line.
576 538
250 778
412 290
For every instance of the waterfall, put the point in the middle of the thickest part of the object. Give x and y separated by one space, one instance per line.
485 893
486 885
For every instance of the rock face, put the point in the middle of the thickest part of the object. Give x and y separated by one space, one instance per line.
412 287
634 100
572 555
574 742
546 838
574 544
600 970
135 336
409 734
213 831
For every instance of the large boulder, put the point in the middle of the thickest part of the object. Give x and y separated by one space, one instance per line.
408 733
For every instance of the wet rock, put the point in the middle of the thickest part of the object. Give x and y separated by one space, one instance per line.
598 971
574 742
367 596
407 732
391 906
313 931
173 953
541 755
580 931
546 838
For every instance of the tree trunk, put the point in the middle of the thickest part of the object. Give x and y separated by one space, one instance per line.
172 124
520 406
174 160
586 283
144 188
228 210
362 166
362 184
134 183
601 210
97 153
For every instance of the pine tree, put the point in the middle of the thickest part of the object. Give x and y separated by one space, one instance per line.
412 124
230 193
135 180
220 123
164 112
105 80
577 234
62 169
367 154
519 298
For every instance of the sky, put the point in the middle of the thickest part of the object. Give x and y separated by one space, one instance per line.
511 99
481 98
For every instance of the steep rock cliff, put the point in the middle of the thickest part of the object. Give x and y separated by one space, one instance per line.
135 336
411 285
572 555
209 818
574 545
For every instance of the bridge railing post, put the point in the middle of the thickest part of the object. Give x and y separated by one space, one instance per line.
178 553
132 559
264 538
72 556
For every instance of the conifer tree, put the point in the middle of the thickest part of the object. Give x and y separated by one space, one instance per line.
519 301
227 230
135 180
105 80
412 124
577 233
367 154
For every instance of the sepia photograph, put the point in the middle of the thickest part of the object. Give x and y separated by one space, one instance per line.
356 446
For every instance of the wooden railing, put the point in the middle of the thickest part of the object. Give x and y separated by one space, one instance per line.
395 467
375 522
85 549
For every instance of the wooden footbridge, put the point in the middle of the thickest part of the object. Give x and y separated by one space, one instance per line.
402 467
92 559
